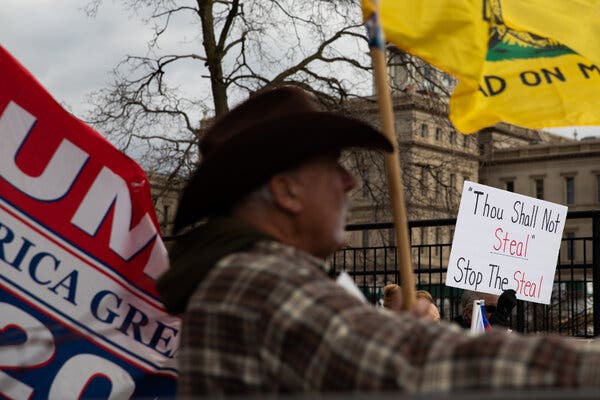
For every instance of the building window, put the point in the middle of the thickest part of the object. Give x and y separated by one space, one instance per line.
539 188
465 140
365 238
423 130
570 189
428 77
453 137
437 240
509 186
438 133
165 215
598 188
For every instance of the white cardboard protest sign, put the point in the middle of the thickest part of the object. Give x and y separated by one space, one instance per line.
505 240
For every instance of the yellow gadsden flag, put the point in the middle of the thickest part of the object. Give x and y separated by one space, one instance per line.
518 72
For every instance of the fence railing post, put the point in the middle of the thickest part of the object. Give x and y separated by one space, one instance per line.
596 270
520 321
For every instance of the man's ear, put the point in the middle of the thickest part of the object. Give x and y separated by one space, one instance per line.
284 189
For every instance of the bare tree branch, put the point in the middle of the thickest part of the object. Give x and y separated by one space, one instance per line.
159 102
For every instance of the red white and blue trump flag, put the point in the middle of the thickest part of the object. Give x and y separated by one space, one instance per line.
80 250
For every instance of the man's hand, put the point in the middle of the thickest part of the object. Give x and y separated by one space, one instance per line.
425 310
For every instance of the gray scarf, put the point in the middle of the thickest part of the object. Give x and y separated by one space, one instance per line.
195 253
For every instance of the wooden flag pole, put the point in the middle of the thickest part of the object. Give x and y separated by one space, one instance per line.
394 177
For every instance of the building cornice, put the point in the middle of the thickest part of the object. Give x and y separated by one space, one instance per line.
438 106
411 144
513 131
432 104
554 151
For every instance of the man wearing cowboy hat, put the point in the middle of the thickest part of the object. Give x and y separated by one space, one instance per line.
260 314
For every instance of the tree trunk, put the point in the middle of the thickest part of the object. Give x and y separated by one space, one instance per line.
214 57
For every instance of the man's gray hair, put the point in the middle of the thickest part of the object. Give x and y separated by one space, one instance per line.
261 195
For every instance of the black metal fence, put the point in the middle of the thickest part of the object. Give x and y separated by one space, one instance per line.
574 309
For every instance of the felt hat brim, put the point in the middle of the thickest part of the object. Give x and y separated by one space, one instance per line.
251 157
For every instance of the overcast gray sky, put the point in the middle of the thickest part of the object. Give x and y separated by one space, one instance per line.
72 54
69 53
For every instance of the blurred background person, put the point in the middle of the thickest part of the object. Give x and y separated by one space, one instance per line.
497 308
424 307
392 297
504 306
466 301
425 302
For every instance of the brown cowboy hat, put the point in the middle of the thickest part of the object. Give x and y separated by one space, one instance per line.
274 130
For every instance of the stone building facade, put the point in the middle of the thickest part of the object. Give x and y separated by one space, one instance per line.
435 159
165 198
567 173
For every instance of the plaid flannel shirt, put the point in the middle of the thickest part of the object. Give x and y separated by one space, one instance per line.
271 320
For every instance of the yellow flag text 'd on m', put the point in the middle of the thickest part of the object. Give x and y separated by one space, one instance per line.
506 72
